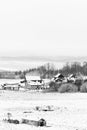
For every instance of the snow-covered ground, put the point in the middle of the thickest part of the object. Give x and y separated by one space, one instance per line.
67 111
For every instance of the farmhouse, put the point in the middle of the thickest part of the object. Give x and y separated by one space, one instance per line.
33 82
33 78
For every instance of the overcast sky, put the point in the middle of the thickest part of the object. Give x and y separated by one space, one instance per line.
43 27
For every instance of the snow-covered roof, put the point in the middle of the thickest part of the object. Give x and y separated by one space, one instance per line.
28 77
58 75
71 75
10 81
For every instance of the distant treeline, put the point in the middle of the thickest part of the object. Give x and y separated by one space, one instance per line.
75 67
45 71
48 71
11 75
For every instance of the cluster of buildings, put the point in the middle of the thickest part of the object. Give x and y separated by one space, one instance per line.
29 83
36 83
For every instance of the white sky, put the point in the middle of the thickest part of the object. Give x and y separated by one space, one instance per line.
43 27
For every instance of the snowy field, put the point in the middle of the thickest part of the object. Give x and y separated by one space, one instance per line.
67 111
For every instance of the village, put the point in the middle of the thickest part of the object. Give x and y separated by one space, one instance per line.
22 109
31 100
36 83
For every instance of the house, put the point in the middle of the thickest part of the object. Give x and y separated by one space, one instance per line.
10 81
33 82
14 87
10 84
71 78
58 78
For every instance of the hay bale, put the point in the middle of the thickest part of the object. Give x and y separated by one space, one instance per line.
68 87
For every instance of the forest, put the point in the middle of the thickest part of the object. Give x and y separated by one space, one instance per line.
48 70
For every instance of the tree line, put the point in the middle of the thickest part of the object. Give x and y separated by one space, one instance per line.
73 68
49 70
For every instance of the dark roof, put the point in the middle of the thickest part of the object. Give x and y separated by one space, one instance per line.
59 75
